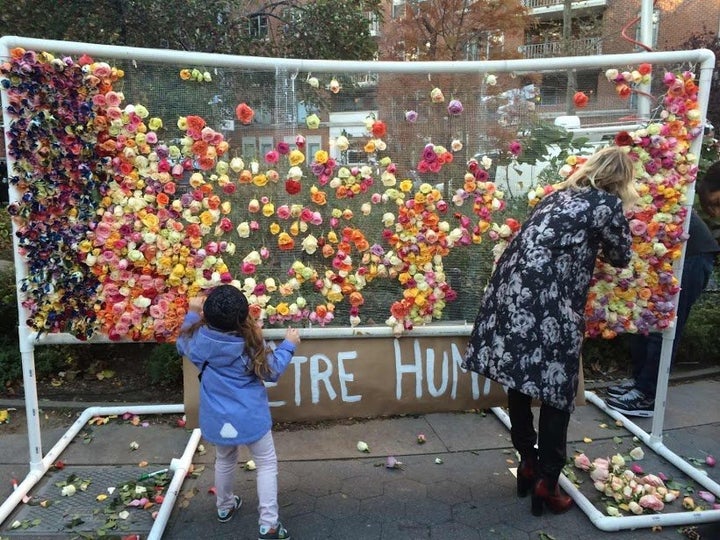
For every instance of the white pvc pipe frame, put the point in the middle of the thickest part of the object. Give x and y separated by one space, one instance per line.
39 465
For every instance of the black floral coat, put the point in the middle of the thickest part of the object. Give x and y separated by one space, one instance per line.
529 330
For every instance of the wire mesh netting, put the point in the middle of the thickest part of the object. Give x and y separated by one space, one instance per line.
332 199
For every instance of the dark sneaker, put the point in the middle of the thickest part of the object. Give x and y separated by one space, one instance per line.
620 389
226 514
633 403
277 533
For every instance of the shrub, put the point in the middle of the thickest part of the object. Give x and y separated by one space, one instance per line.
164 365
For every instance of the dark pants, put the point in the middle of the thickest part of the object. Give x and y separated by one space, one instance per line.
645 350
551 437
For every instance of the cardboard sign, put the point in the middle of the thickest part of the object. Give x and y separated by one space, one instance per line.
369 377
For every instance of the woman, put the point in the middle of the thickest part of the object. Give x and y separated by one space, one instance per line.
529 330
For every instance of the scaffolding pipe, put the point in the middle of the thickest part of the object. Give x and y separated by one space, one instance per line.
352 66
612 523
39 468
180 468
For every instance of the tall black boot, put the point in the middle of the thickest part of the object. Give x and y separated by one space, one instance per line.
523 436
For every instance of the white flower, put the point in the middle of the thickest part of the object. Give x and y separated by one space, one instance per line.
134 445
68 491
637 453
250 465
362 446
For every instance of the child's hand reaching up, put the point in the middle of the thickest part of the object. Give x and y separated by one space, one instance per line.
292 335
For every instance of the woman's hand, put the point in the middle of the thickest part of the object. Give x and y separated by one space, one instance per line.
292 335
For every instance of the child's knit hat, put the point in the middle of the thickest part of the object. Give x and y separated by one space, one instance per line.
225 308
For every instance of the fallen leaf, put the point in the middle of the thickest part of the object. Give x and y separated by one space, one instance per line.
143 464
587 440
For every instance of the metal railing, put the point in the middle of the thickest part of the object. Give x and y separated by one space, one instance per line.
577 47
534 4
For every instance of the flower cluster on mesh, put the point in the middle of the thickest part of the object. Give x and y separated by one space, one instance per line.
123 215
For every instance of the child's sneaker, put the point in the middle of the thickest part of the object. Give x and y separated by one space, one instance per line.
226 514
276 533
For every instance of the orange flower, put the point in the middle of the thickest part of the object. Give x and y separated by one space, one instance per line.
623 90
200 148
319 197
244 113
206 163
580 99
285 241
246 177
185 74
195 123
162 199
644 69
369 147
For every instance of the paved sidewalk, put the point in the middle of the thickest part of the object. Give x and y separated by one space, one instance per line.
329 490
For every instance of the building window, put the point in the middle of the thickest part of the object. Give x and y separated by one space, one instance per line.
249 148
553 89
266 144
313 144
258 26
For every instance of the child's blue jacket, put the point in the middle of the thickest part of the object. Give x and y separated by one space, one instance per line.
234 407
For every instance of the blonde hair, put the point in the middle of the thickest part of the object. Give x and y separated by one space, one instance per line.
610 169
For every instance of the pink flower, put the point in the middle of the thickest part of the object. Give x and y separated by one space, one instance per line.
651 502
582 462
272 157
515 148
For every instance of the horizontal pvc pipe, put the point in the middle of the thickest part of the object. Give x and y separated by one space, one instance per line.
657 446
180 470
611 523
38 470
352 66
463 328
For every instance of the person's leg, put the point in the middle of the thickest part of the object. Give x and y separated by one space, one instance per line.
522 430
552 443
552 453
696 273
523 436
225 465
263 452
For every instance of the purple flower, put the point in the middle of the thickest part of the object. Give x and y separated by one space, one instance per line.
411 116
455 108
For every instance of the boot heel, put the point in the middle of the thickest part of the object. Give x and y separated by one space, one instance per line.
537 505
524 486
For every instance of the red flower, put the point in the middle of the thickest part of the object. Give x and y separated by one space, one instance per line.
580 99
379 129
292 186
623 139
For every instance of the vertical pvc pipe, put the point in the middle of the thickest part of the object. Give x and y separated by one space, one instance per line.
707 67
646 38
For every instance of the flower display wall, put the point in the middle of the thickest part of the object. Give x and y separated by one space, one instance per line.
122 215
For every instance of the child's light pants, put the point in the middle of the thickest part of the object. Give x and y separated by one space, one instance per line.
263 453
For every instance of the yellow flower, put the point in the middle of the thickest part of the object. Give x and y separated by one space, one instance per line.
206 218
321 156
406 185
313 121
282 308
268 209
182 123
296 157
155 123
151 221
260 180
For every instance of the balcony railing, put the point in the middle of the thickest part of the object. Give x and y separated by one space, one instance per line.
535 4
576 47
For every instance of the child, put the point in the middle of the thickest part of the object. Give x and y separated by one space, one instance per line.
228 348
